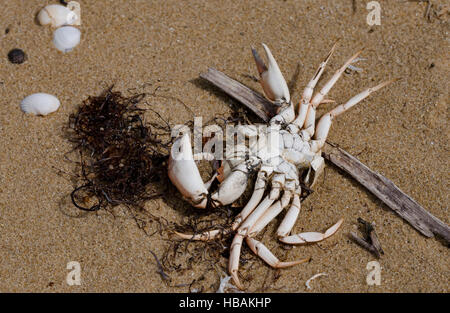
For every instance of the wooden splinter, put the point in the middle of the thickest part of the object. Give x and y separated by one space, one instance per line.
370 241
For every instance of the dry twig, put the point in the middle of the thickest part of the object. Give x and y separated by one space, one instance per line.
370 241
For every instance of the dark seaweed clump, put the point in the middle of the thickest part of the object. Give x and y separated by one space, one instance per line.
120 156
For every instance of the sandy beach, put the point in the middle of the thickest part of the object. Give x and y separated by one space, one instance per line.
401 132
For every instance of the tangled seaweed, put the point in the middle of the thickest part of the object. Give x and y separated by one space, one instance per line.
120 156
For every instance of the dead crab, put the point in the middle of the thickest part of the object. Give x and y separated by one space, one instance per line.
299 160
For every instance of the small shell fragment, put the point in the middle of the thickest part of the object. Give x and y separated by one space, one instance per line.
40 104
308 286
76 8
66 38
225 286
57 15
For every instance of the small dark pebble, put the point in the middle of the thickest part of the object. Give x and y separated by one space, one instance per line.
6 31
431 66
17 56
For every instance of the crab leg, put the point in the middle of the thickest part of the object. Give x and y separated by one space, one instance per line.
242 231
359 97
310 237
278 181
324 124
309 89
254 200
264 253
270 214
260 250
290 218
205 236
235 253
258 212
318 97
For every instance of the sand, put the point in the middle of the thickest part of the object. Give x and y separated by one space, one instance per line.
401 132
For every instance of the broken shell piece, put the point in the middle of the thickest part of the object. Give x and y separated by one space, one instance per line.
40 104
57 15
308 286
66 38
226 286
75 7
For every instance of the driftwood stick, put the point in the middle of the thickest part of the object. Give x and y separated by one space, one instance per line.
380 186
256 102
389 193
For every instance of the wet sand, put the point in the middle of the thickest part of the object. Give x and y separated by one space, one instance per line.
401 132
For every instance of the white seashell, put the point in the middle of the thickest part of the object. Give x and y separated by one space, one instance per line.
40 104
66 38
57 15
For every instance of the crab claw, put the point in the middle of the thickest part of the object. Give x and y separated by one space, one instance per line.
272 81
316 169
232 187
184 174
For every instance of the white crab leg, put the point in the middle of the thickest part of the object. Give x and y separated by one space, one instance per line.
327 101
270 214
272 80
310 237
233 265
309 89
359 97
290 218
278 181
205 236
264 253
260 209
324 124
256 197
184 174
317 99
